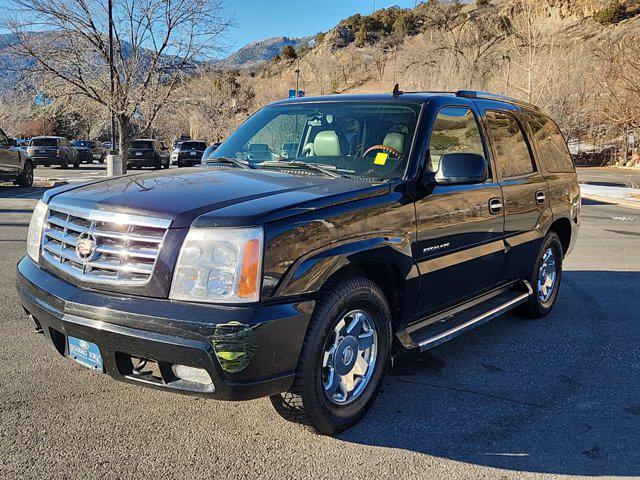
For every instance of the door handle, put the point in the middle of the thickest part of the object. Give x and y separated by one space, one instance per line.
495 206
540 197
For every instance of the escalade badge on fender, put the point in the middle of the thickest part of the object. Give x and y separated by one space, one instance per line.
86 246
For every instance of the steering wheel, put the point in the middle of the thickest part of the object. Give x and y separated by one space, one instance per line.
384 148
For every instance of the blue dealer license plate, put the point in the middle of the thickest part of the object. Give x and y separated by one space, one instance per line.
85 353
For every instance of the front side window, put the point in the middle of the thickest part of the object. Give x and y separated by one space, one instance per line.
553 148
455 130
369 140
512 152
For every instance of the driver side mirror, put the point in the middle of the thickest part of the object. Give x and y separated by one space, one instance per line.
461 168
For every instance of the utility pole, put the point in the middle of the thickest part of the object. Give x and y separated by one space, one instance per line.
298 77
111 79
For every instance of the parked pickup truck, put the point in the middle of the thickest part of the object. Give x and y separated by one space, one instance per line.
15 164
396 223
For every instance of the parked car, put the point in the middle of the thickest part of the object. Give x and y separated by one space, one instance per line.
15 164
404 221
190 153
49 151
147 152
89 150
210 149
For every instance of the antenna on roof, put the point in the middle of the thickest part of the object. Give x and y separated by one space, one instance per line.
396 90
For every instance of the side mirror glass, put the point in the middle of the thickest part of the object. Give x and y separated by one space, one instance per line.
461 168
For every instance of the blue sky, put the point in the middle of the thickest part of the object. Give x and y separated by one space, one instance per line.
259 19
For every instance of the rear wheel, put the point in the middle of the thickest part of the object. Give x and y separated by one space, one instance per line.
343 360
26 177
545 278
64 165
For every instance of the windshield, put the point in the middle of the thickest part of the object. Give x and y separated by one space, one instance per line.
141 145
193 146
358 139
44 142
83 143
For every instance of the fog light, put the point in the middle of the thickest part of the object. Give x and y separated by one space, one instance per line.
192 374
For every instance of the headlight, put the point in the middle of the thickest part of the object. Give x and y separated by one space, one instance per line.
219 265
35 230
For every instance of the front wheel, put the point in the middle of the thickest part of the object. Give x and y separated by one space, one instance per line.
343 360
545 278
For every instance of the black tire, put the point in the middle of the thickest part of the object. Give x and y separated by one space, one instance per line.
25 179
64 165
537 306
76 164
306 401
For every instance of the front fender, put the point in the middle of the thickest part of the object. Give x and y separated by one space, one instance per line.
308 273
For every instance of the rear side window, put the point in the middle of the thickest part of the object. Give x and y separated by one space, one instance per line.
454 130
553 149
512 152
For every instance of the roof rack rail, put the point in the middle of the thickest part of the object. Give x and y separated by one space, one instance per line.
495 96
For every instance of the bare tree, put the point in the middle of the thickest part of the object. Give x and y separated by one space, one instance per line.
531 51
157 43
619 84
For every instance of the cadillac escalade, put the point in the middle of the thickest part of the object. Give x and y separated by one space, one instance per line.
393 224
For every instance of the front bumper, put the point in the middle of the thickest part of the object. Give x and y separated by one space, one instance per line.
169 333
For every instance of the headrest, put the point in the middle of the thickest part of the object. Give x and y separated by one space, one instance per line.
395 140
327 144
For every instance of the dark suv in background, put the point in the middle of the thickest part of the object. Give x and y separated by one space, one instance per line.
147 152
49 151
15 164
395 223
190 153
89 150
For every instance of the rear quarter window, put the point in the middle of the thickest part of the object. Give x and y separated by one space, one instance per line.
553 149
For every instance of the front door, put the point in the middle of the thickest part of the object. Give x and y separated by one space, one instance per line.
459 249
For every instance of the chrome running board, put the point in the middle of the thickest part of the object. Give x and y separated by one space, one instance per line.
445 328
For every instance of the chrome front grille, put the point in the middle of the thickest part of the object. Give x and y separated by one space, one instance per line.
102 247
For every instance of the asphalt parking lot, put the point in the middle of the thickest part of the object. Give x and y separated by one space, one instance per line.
515 398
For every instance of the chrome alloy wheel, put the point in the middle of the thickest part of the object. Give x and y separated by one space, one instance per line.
349 360
547 276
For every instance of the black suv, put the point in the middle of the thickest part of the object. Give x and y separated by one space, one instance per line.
190 153
147 152
396 223
15 164
49 151
89 150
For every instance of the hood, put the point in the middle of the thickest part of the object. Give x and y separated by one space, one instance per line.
184 196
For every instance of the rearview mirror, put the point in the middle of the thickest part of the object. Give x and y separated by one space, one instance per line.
461 168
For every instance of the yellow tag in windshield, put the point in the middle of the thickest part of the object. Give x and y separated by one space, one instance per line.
381 158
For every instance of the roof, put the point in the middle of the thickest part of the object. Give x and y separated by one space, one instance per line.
421 97
47 136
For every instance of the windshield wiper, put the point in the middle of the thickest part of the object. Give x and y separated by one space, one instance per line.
231 161
329 170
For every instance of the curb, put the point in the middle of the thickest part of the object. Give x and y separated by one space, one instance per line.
613 201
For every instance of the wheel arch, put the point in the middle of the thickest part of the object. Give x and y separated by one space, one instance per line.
562 228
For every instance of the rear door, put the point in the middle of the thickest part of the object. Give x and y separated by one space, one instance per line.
459 249
524 190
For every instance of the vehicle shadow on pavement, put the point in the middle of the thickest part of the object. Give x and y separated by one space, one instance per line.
9 192
555 395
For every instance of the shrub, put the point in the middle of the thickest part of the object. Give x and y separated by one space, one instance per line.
612 13
288 53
